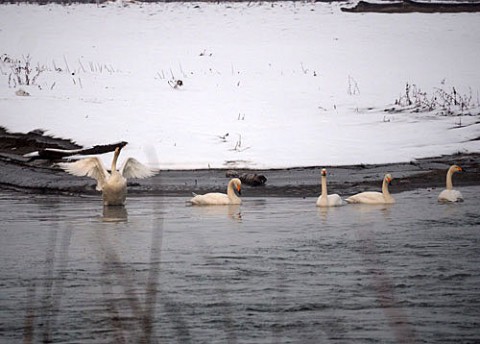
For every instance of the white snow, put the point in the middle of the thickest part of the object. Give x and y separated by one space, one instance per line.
293 84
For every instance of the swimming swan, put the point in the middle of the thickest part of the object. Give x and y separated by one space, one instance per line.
449 194
112 184
373 197
326 200
216 198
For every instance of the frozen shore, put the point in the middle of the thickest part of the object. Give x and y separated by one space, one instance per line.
41 176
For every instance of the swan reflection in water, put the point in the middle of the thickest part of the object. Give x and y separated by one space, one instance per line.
115 214
323 212
367 214
231 211
373 208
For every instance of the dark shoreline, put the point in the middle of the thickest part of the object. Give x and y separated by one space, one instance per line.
41 176
386 6
410 6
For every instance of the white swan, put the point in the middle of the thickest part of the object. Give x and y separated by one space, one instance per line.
114 184
326 200
373 197
449 194
216 198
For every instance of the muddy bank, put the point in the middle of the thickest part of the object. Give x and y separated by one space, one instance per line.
41 175
408 6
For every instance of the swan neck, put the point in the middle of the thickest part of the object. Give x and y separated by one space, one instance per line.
324 186
385 187
114 161
449 179
230 191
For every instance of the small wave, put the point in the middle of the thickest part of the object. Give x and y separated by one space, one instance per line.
454 277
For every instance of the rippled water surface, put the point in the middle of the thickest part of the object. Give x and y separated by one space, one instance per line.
274 270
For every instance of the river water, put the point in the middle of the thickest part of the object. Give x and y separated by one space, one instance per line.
273 270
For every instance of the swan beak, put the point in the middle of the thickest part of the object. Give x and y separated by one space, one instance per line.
239 189
459 169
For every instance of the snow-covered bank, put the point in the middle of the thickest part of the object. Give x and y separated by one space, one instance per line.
293 84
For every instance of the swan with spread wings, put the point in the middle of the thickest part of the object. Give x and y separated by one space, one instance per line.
113 184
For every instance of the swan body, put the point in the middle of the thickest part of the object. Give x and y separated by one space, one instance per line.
450 194
326 200
373 197
217 198
112 184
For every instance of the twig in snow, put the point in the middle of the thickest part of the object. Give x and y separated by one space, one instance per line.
238 145
66 63
175 83
353 88
81 65
305 70
181 70
223 137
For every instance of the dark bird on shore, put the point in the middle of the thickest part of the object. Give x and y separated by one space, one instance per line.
251 179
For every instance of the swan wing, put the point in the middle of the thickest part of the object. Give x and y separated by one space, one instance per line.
367 197
450 196
321 202
132 168
213 198
90 167
334 200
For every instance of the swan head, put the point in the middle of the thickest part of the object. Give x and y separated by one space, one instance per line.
237 185
455 168
324 172
388 178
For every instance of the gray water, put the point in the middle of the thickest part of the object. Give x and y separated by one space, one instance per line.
274 270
